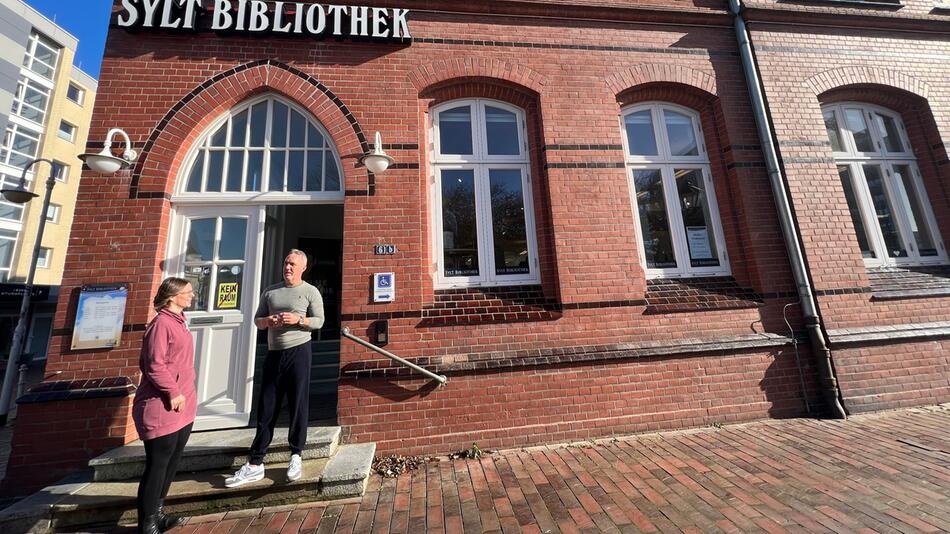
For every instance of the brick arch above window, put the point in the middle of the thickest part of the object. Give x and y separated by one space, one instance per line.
167 148
860 75
441 71
647 73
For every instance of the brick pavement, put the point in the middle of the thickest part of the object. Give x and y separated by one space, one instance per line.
886 472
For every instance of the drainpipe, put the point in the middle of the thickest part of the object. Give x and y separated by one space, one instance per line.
816 336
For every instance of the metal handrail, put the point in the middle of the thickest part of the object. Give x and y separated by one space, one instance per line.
441 379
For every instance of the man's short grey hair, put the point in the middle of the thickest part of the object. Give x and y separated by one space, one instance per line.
298 252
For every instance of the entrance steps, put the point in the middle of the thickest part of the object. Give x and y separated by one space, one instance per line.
105 494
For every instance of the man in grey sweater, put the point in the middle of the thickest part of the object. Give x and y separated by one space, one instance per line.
289 311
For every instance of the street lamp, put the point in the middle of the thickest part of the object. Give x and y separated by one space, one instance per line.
105 163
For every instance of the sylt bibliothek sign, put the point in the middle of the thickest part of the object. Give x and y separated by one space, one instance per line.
257 17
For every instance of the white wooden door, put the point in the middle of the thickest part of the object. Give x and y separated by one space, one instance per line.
218 249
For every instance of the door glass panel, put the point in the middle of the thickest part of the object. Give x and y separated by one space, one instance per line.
215 171
277 161
278 136
887 127
200 278
455 130
834 133
295 172
220 137
885 211
502 130
314 170
679 127
314 137
228 293
910 198
509 229
298 127
459 228
654 222
859 128
332 178
640 136
694 205
200 240
233 237
258 124
844 172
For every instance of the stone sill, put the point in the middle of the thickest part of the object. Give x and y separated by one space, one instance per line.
910 294
871 334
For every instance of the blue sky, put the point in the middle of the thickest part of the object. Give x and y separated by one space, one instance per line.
88 20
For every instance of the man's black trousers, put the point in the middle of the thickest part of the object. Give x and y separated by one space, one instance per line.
286 373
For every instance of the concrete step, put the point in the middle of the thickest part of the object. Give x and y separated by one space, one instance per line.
81 503
220 449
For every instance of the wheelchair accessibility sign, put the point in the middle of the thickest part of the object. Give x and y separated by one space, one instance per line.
384 287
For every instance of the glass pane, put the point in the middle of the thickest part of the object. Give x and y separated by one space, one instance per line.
233 235
640 134
255 171
31 114
235 170
277 161
859 128
509 230
6 252
885 211
194 179
295 172
459 228
844 172
502 130
10 212
45 54
229 290
34 98
42 69
215 171
314 170
910 198
887 127
332 178
314 137
278 136
200 240
220 137
679 127
694 204
455 130
239 129
258 124
831 127
200 278
298 127
654 222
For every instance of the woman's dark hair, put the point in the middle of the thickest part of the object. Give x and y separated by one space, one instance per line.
170 287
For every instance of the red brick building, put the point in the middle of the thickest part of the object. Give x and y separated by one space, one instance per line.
586 238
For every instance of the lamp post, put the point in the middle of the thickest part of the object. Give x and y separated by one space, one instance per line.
104 162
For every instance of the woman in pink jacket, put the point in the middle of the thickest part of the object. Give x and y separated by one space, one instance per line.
165 401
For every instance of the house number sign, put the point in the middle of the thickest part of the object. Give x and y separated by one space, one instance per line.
385 250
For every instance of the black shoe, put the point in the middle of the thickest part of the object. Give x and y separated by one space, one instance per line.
149 525
168 522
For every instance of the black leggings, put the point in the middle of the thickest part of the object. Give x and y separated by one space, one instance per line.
161 462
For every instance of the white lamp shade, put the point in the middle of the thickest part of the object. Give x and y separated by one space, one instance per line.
103 163
377 163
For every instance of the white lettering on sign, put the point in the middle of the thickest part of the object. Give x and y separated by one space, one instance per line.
262 17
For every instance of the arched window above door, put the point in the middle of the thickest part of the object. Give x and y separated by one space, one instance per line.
266 149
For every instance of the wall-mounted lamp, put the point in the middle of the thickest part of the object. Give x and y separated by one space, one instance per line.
377 161
107 163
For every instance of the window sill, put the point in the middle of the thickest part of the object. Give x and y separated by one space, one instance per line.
851 3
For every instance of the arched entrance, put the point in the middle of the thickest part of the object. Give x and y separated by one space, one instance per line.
262 179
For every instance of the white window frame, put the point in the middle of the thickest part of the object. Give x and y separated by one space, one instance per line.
81 94
55 210
45 258
30 56
30 82
183 196
667 163
855 161
71 136
480 162
5 269
63 176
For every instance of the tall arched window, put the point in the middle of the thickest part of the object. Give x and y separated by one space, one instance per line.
266 147
883 186
483 231
678 219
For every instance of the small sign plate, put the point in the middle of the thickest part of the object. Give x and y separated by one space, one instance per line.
200 321
384 287
385 250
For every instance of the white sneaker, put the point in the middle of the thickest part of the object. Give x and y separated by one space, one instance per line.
295 467
246 474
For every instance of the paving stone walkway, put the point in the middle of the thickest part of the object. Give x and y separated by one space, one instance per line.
886 472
